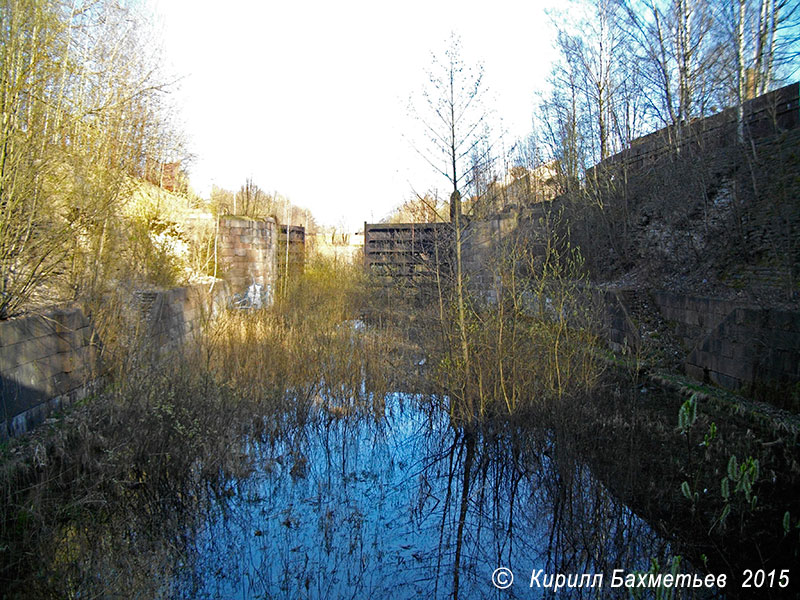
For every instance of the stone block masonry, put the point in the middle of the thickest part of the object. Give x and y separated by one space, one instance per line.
45 361
483 248
622 333
693 316
247 252
50 360
296 251
753 350
764 116
172 318
53 358
748 349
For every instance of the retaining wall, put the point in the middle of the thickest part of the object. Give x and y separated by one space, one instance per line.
45 360
742 348
765 116
481 250
751 350
622 333
52 359
171 318
297 250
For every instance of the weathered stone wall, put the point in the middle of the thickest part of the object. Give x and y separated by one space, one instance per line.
622 333
45 360
692 316
741 348
52 359
173 317
751 349
747 349
764 116
247 251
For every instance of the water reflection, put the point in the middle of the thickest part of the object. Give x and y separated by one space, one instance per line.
406 506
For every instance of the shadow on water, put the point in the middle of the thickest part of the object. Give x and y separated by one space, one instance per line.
407 506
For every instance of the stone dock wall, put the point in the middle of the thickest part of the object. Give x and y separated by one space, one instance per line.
51 359
45 361
743 348
747 349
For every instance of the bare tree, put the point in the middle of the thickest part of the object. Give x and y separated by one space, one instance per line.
427 208
764 37
252 201
452 112
560 133
454 117
82 98
675 54
591 52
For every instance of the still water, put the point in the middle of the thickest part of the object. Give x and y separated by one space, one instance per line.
403 505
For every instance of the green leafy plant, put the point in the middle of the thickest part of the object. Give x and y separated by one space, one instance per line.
687 415
736 487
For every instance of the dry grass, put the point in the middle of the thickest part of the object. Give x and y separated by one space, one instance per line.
101 500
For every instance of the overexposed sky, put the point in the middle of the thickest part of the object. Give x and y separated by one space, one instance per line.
310 99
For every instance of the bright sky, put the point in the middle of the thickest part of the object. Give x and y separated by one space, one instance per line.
310 98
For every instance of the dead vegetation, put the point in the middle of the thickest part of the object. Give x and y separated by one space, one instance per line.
101 500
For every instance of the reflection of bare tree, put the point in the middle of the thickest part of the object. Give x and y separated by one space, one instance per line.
545 510
344 506
469 446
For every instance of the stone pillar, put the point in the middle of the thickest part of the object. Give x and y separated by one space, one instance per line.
246 252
